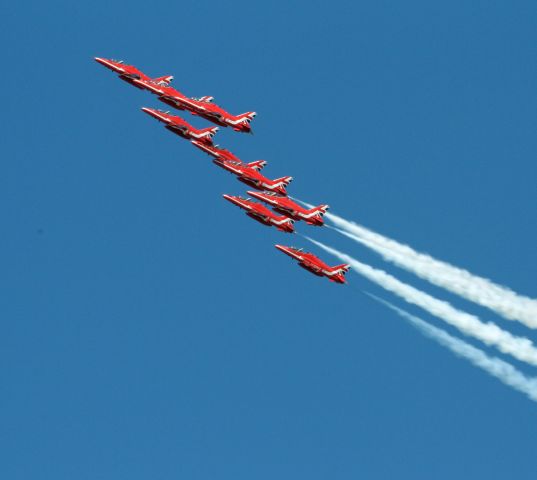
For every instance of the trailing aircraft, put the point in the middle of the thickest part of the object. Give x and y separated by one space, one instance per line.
315 265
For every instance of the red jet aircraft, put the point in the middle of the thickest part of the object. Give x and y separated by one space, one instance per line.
216 152
135 77
178 126
313 264
204 107
246 172
286 206
262 214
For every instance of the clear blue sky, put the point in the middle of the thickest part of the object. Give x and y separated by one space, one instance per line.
150 330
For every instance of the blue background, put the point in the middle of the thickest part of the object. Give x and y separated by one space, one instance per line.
151 330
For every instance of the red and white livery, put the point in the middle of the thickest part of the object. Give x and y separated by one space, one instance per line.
182 128
215 151
247 173
316 266
134 76
262 214
286 206
204 107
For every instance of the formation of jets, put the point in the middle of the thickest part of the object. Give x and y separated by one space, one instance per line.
273 193
202 106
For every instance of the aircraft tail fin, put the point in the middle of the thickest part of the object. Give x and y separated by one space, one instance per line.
314 216
285 180
206 133
285 224
321 209
257 165
343 268
246 117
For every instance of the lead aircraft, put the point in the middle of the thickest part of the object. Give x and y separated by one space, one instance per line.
315 265
132 75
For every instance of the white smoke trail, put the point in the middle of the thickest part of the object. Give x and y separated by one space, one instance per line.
489 333
503 371
482 291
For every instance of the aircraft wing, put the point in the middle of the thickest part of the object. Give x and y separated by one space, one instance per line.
231 167
134 76
241 203
172 98
312 266
216 115
180 128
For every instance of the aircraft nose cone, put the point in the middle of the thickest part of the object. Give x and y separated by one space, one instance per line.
109 64
102 61
280 247
149 111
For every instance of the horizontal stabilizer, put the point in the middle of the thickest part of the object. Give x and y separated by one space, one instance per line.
248 116
344 267
207 132
284 180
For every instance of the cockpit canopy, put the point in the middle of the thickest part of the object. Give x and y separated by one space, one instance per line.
205 99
